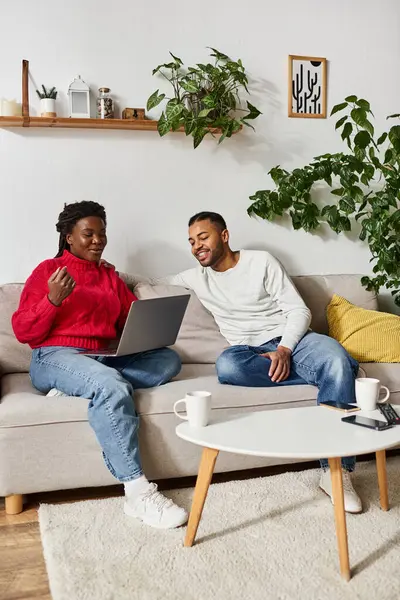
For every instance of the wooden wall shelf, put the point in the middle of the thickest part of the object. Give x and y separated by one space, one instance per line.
142 125
27 121
60 122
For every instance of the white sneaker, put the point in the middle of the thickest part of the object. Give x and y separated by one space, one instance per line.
155 510
352 501
55 392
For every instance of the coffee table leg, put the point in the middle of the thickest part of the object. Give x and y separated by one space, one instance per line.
340 517
206 469
382 478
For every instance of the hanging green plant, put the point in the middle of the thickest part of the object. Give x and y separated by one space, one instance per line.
206 97
370 159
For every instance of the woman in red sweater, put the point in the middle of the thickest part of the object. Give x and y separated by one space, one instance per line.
72 303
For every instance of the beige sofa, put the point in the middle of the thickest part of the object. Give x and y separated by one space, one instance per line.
47 443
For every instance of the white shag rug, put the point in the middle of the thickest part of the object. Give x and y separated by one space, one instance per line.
270 538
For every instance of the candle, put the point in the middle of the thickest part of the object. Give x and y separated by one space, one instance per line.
10 108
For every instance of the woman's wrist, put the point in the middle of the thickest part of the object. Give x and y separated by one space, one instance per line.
53 302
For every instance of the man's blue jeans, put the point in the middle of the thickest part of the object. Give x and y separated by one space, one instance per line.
108 384
317 360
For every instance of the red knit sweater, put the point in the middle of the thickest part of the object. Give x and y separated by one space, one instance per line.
92 315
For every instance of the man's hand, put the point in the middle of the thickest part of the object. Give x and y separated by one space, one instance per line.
61 286
108 265
280 363
105 263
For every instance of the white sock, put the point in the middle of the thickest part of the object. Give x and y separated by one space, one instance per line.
134 488
55 392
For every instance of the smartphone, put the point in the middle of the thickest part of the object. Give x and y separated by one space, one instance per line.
365 422
340 406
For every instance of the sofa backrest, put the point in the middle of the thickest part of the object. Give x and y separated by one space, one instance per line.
199 340
14 357
317 292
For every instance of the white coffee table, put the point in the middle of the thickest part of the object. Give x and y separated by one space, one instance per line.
299 433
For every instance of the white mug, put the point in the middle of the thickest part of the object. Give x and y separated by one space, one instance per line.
198 408
367 393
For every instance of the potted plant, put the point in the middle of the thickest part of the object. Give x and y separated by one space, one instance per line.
365 187
206 98
47 102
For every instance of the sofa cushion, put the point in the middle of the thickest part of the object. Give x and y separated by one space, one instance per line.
368 335
317 291
14 357
199 340
21 405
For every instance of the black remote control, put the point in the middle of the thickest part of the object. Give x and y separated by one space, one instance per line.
389 413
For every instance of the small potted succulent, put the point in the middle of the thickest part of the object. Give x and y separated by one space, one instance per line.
47 102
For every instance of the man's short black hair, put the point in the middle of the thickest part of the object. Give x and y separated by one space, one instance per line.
205 215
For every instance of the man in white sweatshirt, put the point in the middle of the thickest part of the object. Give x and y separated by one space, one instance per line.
262 316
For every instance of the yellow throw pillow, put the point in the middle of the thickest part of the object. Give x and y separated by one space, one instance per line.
368 335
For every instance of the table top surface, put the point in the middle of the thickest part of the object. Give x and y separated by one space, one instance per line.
306 432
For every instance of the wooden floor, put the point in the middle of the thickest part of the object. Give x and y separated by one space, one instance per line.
22 568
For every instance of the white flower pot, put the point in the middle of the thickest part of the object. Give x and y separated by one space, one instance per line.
48 107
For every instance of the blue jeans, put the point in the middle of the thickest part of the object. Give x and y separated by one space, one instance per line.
317 360
108 384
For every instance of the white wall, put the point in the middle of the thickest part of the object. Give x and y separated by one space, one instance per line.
151 186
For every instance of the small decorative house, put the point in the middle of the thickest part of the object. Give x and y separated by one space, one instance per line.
79 99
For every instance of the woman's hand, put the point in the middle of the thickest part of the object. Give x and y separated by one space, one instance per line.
61 286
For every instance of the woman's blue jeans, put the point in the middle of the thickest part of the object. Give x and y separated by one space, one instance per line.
108 384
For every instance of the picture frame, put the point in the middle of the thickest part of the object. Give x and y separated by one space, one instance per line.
307 87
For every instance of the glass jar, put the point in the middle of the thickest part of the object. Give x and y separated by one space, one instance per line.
104 104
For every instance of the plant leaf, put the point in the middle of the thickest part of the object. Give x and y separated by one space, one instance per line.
253 112
362 139
388 155
154 100
394 137
198 136
364 104
369 127
393 116
341 121
338 192
176 59
189 85
338 107
209 101
204 113
382 138
347 131
173 109
190 124
217 54
351 99
163 125
359 116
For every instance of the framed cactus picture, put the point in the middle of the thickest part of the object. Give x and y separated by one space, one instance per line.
307 87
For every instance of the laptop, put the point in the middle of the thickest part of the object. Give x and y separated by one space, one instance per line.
152 323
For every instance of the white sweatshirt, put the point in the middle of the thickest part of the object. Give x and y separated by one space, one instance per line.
252 303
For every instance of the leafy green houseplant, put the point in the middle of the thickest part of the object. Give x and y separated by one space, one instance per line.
365 188
205 98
